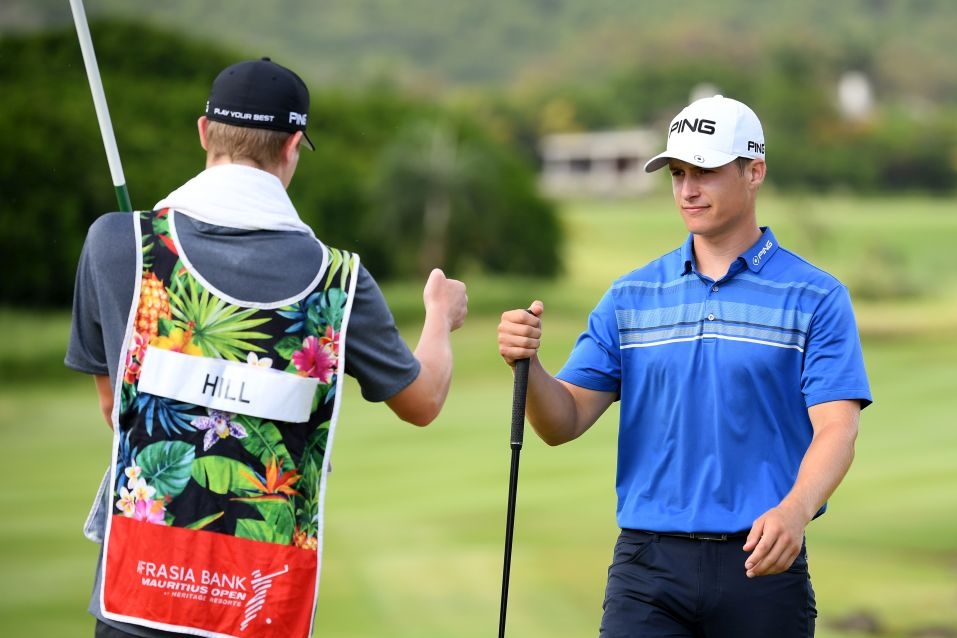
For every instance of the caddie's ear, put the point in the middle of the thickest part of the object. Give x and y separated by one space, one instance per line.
289 159
290 148
201 125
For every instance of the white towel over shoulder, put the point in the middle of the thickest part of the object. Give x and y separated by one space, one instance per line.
237 196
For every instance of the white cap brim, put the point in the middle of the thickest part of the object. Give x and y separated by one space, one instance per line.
704 158
711 132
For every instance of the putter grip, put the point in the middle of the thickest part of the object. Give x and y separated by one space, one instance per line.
519 390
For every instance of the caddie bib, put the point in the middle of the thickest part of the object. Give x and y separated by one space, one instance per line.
225 412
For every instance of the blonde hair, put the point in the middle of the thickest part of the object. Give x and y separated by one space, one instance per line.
259 145
742 163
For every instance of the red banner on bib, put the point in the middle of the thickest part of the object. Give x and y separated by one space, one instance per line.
207 583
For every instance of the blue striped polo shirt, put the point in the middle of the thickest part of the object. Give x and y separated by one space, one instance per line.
715 379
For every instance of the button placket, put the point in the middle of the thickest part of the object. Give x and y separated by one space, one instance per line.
710 305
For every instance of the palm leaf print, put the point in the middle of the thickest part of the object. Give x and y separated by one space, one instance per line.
172 416
337 259
264 440
147 249
218 328
301 313
167 466
277 524
307 502
332 308
311 315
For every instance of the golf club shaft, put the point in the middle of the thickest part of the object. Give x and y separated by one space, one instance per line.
99 103
509 529
519 391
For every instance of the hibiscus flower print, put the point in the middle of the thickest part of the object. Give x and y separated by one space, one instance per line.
150 511
317 359
331 337
134 357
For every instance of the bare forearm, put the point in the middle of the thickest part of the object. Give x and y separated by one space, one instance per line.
104 393
825 465
776 536
422 400
446 305
549 406
434 352
560 412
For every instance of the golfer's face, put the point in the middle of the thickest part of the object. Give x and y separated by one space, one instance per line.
713 202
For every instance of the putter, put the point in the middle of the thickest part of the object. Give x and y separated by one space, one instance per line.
518 432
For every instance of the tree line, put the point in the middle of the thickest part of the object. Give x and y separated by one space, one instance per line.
898 145
407 183
410 182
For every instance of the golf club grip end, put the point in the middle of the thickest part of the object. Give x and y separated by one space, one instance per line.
519 391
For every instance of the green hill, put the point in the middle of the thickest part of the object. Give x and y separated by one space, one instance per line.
435 45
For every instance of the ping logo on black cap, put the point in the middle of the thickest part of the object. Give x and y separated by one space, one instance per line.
260 94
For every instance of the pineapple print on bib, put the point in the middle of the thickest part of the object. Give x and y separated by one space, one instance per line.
226 409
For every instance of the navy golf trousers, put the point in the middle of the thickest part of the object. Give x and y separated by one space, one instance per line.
662 586
107 631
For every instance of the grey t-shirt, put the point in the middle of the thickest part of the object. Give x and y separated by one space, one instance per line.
252 265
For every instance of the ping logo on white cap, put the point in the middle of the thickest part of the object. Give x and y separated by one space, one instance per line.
711 132
705 127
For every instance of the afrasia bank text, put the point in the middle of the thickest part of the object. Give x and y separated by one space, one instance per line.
203 582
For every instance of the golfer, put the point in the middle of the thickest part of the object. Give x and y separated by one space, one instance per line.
216 329
739 370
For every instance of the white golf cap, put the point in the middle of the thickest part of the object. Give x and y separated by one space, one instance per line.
711 132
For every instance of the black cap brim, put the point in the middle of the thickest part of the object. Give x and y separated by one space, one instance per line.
307 142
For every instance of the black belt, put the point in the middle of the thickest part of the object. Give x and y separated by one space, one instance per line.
694 536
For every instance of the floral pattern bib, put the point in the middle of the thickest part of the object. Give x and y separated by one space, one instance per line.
219 469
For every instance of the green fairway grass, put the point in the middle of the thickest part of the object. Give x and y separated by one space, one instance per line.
415 517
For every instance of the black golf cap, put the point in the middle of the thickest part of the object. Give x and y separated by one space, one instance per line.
260 94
